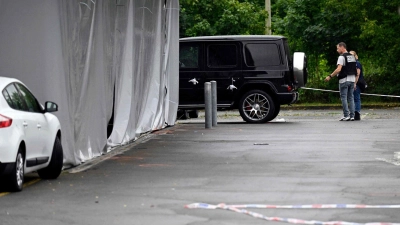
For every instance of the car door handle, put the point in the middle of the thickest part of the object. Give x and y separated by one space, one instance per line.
194 81
25 124
39 126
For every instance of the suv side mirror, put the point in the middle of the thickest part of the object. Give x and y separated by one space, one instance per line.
50 107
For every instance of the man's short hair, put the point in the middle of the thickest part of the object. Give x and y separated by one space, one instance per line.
342 44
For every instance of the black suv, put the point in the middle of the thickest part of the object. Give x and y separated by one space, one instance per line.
254 73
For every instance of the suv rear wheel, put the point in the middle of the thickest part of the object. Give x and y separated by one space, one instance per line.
256 106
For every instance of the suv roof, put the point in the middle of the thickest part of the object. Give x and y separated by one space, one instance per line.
233 37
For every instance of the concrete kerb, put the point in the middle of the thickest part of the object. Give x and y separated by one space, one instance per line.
117 151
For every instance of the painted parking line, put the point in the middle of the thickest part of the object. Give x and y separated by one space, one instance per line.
24 186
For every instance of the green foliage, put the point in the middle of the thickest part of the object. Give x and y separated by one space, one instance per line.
222 17
316 26
370 27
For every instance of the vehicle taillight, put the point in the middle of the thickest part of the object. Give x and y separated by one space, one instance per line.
5 121
289 88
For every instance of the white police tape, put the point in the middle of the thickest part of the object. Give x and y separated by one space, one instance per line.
239 209
316 89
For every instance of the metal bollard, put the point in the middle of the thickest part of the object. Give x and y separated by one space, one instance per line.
207 104
214 102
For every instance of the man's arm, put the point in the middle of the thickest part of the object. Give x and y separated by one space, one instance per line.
336 72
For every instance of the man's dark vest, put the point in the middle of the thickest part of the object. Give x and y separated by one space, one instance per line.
350 67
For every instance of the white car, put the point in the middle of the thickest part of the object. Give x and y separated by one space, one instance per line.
30 136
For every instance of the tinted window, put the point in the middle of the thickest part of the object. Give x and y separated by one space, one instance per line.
8 98
221 56
30 100
288 53
262 55
188 56
15 98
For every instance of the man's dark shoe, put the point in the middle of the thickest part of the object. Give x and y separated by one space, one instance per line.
357 116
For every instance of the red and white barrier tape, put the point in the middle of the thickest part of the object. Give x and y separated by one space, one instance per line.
240 209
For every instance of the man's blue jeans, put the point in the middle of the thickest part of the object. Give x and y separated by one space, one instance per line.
346 95
357 99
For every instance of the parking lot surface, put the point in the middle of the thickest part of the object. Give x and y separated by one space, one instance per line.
303 157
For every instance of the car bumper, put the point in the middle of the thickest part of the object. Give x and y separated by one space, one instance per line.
288 98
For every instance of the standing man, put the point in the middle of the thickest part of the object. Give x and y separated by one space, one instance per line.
346 72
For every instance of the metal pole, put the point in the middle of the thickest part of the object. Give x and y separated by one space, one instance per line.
207 104
268 20
214 102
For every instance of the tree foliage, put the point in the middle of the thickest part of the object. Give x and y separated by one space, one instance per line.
370 27
222 17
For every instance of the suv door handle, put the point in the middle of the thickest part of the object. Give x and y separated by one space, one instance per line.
25 124
194 81
39 126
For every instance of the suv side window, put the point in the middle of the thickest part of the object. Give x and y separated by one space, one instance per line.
14 98
222 56
262 55
32 103
189 56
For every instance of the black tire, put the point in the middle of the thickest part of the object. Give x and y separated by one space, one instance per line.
53 170
16 176
194 114
277 110
256 106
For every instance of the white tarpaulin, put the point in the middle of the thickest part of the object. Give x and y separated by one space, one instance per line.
78 53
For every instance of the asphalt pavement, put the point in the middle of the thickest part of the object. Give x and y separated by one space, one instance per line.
303 157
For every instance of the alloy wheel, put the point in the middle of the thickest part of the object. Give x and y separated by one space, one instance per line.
256 106
19 170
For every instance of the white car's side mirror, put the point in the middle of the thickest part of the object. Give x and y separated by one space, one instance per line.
51 107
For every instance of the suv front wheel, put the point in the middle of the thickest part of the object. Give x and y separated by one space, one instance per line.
256 106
